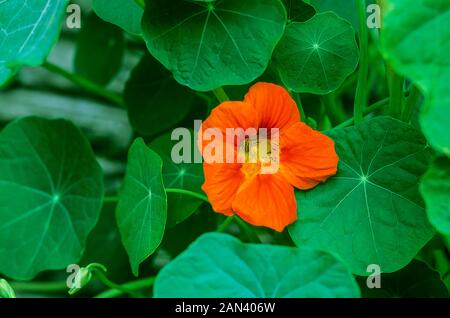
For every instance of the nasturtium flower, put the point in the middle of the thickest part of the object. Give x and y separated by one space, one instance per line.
305 157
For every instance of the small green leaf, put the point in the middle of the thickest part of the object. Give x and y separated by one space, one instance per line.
416 280
371 212
155 101
28 31
298 11
127 14
435 189
100 50
142 210
218 265
52 190
184 175
6 290
317 55
428 66
208 44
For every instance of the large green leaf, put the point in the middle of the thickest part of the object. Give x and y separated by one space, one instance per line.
298 11
155 101
207 44
142 210
416 280
371 212
51 195
125 13
183 175
28 30
344 8
435 189
428 65
218 265
317 55
100 50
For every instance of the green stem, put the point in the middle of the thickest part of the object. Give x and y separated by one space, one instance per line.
368 110
130 286
221 95
361 88
248 230
222 227
105 280
40 287
110 200
299 103
411 103
333 110
140 3
396 92
189 193
84 83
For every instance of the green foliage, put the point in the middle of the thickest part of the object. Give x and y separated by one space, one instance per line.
51 193
316 56
125 13
210 44
428 66
298 11
218 265
28 30
142 210
371 212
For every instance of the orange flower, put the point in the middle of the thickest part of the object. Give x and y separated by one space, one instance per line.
306 158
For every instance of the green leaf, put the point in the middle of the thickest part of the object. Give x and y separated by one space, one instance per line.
155 101
416 280
52 190
428 66
127 14
317 55
211 44
100 50
435 189
28 31
220 266
298 11
142 210
184 175
371 212
346 9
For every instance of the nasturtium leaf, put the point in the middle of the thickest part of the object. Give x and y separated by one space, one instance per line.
416 280
219 265
371 212
346 9
127 14
51 194
208 44
184 175
317 55
435 189
142 210
28 31
298 10
100 50
155 101
428 66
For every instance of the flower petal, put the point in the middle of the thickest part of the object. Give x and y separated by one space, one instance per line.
267 200
222 182
275 106
307 156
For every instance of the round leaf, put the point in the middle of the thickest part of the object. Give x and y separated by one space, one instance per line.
317 55
435 189
220 266
51 195
371 212
127 14
28 30
142 210
213 43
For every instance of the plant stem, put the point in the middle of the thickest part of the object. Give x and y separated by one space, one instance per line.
130 286
84 83
248 230
380 104
189 193
396 92
334 111
110 200
221 95
222 227
361 88
140 3
298 101
105 280
411 102
40 287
